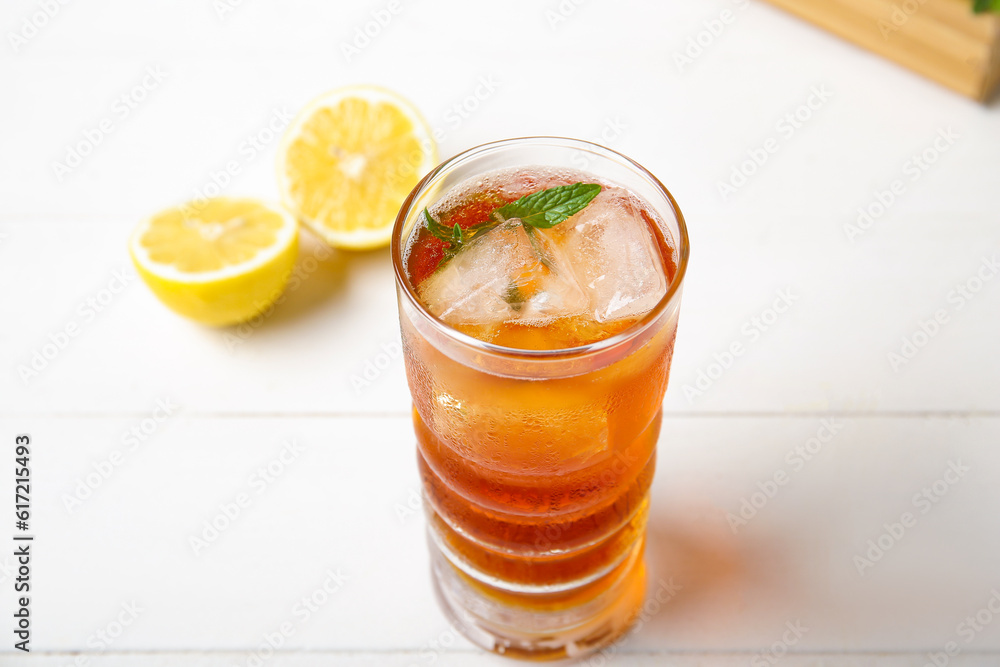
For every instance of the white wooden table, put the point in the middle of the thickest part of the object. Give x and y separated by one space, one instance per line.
146 426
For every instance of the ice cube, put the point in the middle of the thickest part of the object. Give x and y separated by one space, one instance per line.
505 274
615 257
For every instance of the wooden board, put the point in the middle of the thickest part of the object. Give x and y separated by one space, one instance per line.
941 39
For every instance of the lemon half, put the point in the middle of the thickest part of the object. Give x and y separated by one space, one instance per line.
349 160
220 261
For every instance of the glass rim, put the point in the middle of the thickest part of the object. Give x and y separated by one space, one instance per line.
634 330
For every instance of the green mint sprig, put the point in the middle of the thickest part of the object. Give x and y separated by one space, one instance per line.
452 235
980 6
547 208
542 210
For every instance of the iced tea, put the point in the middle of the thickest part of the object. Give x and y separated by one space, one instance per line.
537 358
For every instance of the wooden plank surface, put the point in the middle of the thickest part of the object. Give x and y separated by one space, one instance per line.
853 133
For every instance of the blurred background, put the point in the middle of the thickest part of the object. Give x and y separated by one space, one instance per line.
859 196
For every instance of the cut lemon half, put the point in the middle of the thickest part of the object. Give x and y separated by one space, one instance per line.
220 261
349 160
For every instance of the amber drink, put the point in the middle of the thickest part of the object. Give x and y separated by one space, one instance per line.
538 348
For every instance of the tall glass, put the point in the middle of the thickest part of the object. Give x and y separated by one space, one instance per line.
536 464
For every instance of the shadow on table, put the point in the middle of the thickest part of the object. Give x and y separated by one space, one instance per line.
319 280
690 564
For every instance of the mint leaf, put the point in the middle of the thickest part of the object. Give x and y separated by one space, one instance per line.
512 295
542 210
455 235
438 230
980 6
548 208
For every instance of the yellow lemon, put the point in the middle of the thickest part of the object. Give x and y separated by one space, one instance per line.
349 160
221 261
